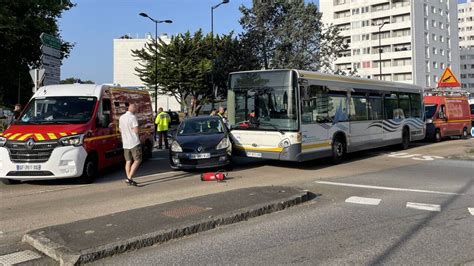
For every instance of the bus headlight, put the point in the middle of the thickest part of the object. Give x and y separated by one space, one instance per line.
175 147
76 140
284 143
224 144
3 141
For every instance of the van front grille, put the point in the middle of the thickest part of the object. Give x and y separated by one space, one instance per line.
38 152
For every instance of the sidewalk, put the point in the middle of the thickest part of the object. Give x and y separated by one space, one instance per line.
92 239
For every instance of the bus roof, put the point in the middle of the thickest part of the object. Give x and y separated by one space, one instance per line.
339 79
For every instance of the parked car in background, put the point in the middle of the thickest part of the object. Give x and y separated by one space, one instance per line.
201 142
447 116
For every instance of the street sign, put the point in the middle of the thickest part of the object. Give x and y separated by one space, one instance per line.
50 41
448 79
49 60
37 75
46 50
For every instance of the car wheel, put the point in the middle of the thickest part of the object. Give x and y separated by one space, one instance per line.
405 139
338 150
90 171
437 137
10 181
465 134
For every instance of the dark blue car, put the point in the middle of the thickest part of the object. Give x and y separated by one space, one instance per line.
201 142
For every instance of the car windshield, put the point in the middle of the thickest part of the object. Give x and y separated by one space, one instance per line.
200 127
58 110
263 101
430 110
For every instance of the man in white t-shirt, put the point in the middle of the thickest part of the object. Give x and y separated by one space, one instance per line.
128 124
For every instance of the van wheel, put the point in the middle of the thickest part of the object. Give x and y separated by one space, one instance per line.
10 181
465 134
437 136
338 150
405 139
90 171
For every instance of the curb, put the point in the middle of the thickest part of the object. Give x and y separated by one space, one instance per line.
60 252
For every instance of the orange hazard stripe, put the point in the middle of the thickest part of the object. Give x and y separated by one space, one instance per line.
39 137
62 134
7 135
52 136
24 136
14 136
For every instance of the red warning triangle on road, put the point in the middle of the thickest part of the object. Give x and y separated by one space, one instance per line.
448 79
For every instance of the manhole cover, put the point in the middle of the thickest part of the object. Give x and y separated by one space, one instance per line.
184 211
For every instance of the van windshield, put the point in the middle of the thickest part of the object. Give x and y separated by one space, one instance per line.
58 110
430 110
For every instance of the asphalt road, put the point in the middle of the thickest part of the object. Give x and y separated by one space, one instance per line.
327 230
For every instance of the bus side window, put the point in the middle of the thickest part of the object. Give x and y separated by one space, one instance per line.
375 107
404 105
390 105
314 105
415 105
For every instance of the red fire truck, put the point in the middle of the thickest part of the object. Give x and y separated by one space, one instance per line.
71 131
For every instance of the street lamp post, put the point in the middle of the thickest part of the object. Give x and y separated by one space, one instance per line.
212 47
156 54
380 49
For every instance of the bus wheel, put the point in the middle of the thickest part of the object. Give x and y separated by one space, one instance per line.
437 137
10 181
465 134
338 150
405 139
90 171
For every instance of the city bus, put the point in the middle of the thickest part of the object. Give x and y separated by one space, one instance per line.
295 115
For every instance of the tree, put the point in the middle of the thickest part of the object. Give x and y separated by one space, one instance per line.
21 24
185 66
290 34
73 80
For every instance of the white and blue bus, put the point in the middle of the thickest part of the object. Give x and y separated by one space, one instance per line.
295 115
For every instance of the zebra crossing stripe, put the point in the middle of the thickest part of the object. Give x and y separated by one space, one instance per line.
364 201
424 206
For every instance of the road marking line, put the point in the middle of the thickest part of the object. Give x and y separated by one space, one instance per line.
424 206
157 159
362 200
19 257
387 188
471 210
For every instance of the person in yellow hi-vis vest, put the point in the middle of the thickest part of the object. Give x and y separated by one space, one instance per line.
162 122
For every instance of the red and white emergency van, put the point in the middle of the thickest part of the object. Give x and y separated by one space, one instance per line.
69 131
471 106
447 115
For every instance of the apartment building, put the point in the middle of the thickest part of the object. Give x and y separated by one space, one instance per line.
125 64
466 43
418 39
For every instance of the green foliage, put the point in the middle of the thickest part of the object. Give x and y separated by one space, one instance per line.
185 66
290 34
73 80
21 24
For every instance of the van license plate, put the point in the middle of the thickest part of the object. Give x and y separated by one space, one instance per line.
28 167
254 154
200 156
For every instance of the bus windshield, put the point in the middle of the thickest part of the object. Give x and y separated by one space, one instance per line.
58 110
262 101
430 110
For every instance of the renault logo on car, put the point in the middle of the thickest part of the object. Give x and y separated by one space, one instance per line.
30 144
199 149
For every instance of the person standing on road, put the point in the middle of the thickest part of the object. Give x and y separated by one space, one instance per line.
128 125
162 122
223 116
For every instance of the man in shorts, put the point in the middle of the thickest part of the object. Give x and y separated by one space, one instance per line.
128 124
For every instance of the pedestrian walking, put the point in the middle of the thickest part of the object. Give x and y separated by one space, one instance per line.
162 122
128 125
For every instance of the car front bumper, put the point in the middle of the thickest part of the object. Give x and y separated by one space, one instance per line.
182 160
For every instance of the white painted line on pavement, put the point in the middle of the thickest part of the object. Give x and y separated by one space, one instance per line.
424 206
387 188
365 201
19 257
471 210
159 174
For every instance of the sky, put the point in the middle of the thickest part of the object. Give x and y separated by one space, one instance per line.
93 24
